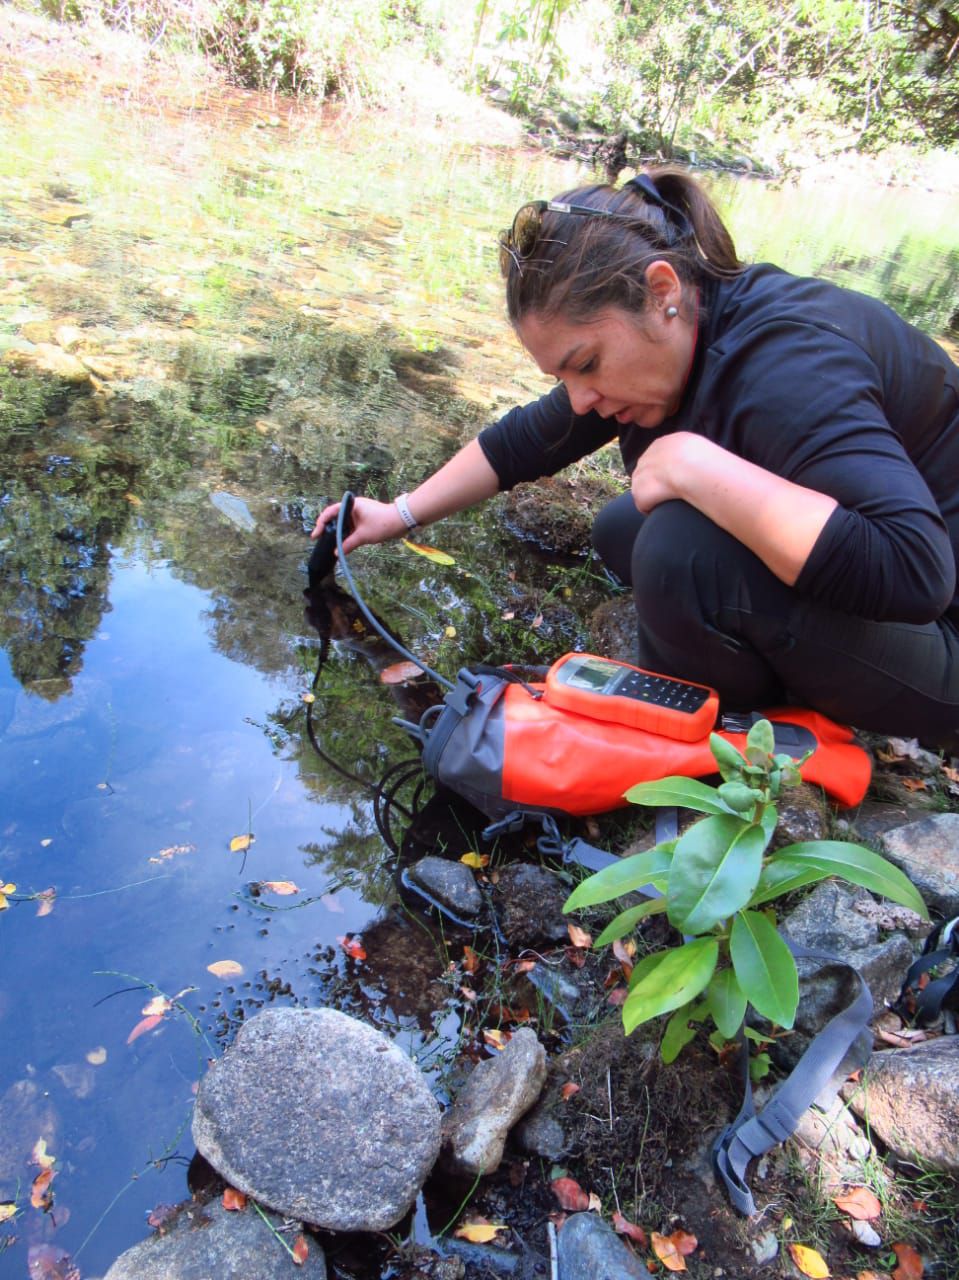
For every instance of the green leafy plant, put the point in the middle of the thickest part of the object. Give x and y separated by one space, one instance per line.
713 880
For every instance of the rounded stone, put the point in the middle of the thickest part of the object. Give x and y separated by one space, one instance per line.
320 1117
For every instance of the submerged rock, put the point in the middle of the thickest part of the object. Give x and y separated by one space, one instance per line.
320 1117
207 1241
451 884
494 1097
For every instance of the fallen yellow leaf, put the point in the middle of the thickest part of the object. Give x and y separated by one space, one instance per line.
496 1039
479 1232
240 844
225 968
809 1261
431 553
156 1007
450 633
7 1211
97 1057
309 697
666 1251
475 860
282 887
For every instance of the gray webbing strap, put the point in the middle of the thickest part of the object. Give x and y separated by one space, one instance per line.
754 1133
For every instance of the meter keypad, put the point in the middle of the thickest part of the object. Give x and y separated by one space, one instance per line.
661 691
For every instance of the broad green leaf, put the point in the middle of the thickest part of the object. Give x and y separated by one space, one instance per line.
768 821
677 1035
678 793
780 876
728 759
765 968
714 872
627 921
644 967
858 865
431 553
761 738
726 1002
738 797
678 978
621 877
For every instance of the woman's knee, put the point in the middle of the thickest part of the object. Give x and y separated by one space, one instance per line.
614 533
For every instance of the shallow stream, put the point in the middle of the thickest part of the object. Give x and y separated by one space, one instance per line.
217 312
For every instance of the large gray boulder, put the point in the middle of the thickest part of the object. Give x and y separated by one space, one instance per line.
910 1098
320 1117
496 1094
208 1241
928 852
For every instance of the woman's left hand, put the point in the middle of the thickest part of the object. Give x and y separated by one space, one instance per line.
658 475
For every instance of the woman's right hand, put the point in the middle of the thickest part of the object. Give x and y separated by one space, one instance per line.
370 521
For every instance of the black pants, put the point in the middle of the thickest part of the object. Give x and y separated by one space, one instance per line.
710 610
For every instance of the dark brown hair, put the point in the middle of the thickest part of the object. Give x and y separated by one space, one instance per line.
580 265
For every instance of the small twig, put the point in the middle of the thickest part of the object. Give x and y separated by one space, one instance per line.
609 1095
553 1256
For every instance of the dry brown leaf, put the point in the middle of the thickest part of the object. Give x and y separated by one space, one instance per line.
910 1263
569 1089
400 672
627 1228
225 968
41 1197
471 961
45 901
352 946
914 784
809 1261
617 996
570 1194
234 1200
858 1202
283 887
684 1241
525 966
666 1251
301 1250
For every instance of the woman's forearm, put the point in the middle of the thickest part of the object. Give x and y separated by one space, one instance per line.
462 482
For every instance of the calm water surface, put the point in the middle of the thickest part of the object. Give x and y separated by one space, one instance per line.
214 316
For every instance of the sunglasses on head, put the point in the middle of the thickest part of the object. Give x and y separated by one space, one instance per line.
517 244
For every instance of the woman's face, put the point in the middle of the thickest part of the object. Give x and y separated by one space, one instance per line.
629 368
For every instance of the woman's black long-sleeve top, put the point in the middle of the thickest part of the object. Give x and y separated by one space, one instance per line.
827 388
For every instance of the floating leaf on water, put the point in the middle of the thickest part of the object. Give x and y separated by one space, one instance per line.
41 1197
332 903
143 1026
46 842
809 1261
476 860
45 901
240 844
225 968
7 1211
400 672
97 1057
479 1231
431 553
352 946
50 1262
41 1156
157 1006
5 891
283 887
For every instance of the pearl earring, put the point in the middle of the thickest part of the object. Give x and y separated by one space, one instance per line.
672 313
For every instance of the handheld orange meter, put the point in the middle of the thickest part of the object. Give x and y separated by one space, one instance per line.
608 690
